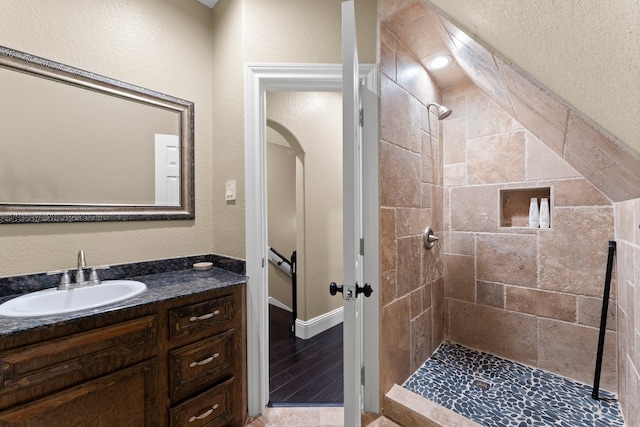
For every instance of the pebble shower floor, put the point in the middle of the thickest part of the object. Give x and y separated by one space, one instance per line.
496 392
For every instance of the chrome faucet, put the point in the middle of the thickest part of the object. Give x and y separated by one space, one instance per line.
82 264
65 281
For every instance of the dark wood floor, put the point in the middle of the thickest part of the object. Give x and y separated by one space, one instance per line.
303 372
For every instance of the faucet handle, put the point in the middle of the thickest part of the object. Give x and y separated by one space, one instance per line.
65 280
93 275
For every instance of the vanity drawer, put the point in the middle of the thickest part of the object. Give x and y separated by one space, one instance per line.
203 319
39 369
211 408
197 365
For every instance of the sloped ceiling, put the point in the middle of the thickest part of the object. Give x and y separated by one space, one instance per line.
610 164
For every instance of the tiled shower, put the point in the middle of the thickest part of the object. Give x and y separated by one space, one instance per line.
530 295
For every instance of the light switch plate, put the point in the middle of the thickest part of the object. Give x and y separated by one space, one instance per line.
230 190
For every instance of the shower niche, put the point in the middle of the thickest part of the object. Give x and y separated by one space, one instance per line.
514 205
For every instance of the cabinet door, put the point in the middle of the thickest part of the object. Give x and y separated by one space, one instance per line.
124 398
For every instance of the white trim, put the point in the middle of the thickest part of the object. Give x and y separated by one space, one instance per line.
306 329
276 303
260 78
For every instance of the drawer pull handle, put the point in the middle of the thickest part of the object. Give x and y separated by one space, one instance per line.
204 316
204 414
204 361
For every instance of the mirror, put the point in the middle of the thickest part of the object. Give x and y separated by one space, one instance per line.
78 146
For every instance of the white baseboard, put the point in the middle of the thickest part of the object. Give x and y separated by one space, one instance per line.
278 304
306 329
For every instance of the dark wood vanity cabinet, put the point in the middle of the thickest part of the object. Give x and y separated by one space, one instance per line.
175 363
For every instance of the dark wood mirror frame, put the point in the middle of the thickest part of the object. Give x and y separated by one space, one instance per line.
45 213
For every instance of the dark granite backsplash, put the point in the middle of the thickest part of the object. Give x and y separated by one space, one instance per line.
34 282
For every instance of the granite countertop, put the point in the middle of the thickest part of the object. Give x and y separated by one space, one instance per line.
160 287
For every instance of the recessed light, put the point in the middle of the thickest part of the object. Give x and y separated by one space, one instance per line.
439 62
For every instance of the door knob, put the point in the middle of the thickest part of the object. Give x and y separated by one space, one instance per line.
334 289
367 290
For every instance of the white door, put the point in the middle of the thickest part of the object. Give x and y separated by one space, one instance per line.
352 221
167 170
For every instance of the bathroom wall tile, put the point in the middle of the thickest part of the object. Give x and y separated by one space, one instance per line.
394 355
579 239
427 195
622 336
387 53
437 313
577 192
590 311
543 163
612 166
433 263
421 35
387 239
408 13
412 76
491 294
625 222
387 287
399 177
474 208
426 296
496 158
409 265
437 211
535 107
461 243
454 140
455 175
507 258
411 221
621 274
636 227
541 303
420 340
575 358
479 65
388 8
485 117
418 136
503 333
416 302
633 398
395 114
460 281
428 161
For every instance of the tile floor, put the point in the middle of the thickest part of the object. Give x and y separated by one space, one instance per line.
496 392
308 417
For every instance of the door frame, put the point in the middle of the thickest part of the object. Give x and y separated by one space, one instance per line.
260 79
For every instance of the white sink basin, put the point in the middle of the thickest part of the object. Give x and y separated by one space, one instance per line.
53 301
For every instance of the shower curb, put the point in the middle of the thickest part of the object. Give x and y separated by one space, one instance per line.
411 410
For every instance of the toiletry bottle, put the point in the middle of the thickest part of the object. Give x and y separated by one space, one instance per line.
534 216
544 213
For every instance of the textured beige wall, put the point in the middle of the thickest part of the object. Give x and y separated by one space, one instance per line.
277 31
281 201
164 45
315 119
587 52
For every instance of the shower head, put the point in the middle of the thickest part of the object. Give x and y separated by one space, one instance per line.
443 112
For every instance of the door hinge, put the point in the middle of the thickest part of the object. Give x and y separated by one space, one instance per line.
361 117
362 375
362 247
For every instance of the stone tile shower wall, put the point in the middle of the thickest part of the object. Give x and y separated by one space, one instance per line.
628 277
411 195
529 295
